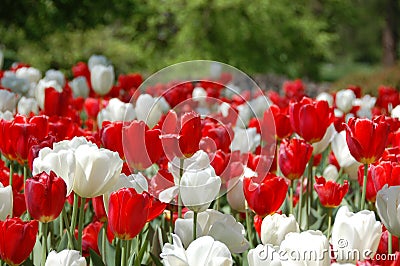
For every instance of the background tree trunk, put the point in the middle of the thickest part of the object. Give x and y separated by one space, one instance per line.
390 33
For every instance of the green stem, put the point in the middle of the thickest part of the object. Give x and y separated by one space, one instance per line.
66 222
44 243
74 215
248 226
278 170
309 189
103 242
11 174
179 194
300 203
364 188
123 253
329 222
80 223
171 220
61 223
389 243
25 173
194 226
291 196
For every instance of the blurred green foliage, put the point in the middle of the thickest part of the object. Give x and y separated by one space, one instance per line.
287 37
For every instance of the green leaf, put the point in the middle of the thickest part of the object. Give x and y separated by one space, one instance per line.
109 249
95 258
63 243
156 260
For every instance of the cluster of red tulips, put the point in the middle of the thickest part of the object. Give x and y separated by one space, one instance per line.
99 171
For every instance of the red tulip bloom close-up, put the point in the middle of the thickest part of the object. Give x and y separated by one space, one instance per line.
310 119
17 239
267 196
329 192
45 195
294 155
367 138
128 212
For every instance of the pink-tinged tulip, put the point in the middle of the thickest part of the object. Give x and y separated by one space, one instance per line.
310 119
367 138
267 196
142 146
123 205
294 155
45 196
17 239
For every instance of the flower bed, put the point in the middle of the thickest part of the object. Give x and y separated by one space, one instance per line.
188 168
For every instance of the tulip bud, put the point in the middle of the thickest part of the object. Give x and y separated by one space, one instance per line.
65 257
45 196
344 100
275 227
6 202
102 78
80 87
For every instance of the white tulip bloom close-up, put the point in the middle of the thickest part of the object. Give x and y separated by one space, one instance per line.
102 78
65 257
116 110
275 227
204 251
355 231
6 202
388 207
222 227
264 255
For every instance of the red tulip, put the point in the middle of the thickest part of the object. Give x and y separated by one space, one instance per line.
92 107
57 103
281 120
294 89
19 205
387 96
17 239
383 243
330 193
81 69
128 212
156 207
385 173
90 235
142 146
45 196
111 136
257 224
267 196
221 135
98 208
181 139
366 138
61 128
310 119
130 81
17 135
293 157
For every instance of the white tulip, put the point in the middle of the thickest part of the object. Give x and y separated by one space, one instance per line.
7 115
324 96
396 112
136 181
344 100
388 207
79 87
321 145
245 140
42 86
116 110
31 74
204 251
14 83
27 105
343 156
6 202
148 110
305 248
102 78
65 257
199 95
275 227
55 75
366 104
222 227
330 172
235 194
8 101
97 60
97 170
355 231
263 256
224 108
199 161
198 189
